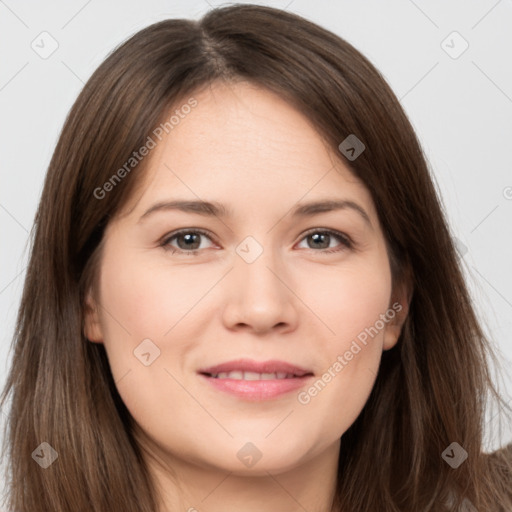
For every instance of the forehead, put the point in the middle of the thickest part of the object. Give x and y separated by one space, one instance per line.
249 126
245 142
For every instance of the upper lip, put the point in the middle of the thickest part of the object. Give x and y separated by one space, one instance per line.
249 365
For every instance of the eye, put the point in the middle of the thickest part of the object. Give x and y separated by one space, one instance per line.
191 241
321 239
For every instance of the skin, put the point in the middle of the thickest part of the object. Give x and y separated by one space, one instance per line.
247 148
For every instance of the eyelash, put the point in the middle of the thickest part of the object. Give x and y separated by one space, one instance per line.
344 239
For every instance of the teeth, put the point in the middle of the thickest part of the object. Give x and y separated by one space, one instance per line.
238 375
233 375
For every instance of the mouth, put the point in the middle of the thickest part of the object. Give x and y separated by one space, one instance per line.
256 381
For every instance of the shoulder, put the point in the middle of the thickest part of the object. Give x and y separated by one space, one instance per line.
499 469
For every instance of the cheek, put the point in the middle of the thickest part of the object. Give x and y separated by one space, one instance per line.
350 301
148 298
142 300
353 307
358 307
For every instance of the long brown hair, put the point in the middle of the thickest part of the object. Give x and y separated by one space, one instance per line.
432 387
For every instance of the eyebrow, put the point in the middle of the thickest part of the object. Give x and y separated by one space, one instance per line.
215 209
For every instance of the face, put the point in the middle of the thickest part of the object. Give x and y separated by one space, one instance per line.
302 297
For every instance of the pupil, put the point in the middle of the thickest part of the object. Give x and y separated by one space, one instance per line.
317 236
189 240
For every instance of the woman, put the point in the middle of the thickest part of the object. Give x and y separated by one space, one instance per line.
261 370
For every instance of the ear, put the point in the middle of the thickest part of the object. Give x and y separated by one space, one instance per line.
92 325
399 305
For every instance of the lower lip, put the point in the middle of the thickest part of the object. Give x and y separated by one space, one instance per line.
257 390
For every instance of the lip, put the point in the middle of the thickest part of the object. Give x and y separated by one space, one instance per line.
257 390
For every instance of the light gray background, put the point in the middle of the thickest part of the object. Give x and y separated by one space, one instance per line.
460 107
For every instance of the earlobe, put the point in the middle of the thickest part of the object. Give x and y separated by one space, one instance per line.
391 336
92 325
400 305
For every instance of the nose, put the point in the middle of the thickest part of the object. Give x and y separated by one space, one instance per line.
260 296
